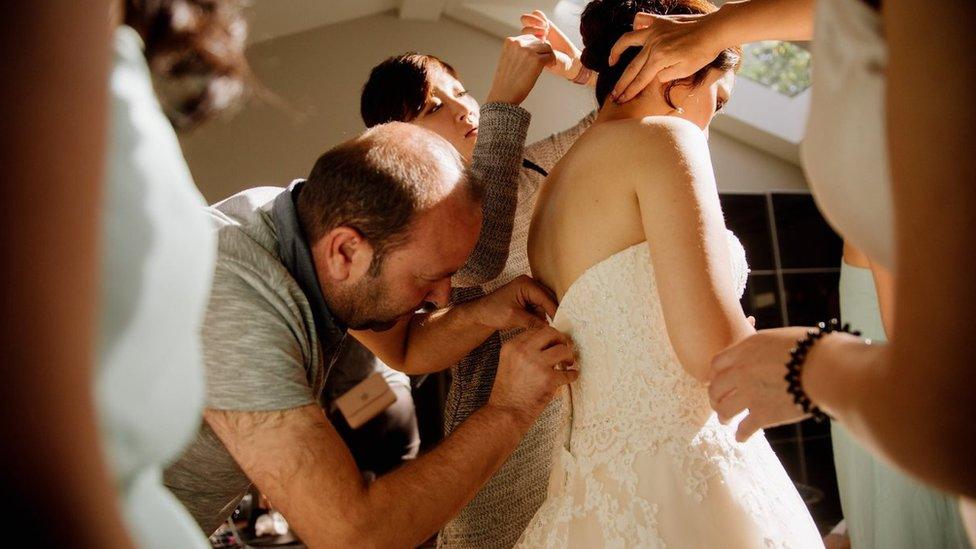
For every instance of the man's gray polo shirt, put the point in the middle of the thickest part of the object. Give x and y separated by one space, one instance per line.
261 346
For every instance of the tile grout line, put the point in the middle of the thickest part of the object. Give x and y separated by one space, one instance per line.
781 287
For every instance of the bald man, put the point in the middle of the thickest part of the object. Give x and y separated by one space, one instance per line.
370 237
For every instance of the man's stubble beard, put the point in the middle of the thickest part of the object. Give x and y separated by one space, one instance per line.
366 306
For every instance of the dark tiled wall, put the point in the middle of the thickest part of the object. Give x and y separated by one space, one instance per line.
795 260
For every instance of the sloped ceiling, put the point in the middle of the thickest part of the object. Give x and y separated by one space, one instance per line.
757 116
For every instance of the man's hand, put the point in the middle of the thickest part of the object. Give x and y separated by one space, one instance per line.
530 369
522 303
521 63
433 342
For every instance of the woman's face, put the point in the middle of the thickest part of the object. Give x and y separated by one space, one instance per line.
450 112
702 103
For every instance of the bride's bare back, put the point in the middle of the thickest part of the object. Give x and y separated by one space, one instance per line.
630 180
586 210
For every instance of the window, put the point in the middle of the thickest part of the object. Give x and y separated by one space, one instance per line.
782 66
795 260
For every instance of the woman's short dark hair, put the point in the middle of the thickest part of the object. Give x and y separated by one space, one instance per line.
603 22
195 49
399 87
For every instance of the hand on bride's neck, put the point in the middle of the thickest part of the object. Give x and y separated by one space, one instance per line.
649 103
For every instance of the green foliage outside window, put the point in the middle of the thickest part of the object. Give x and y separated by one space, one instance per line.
782 66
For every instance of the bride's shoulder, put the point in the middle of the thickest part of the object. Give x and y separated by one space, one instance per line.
641 137
655 152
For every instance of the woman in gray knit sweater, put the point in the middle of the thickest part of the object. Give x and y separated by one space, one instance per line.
424 90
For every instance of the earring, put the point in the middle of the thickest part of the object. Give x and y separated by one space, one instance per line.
679 110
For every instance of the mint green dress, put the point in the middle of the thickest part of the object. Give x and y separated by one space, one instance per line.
884 508
159 251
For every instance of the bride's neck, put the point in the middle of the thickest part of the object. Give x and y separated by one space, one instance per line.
645 104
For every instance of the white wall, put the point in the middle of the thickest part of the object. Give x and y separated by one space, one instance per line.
318 75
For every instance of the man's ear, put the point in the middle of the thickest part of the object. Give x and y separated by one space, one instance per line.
342 255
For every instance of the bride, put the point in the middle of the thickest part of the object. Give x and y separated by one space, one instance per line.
628 232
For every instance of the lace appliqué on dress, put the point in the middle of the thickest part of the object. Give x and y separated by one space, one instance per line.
641 442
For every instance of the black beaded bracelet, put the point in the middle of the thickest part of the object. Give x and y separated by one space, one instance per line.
798 355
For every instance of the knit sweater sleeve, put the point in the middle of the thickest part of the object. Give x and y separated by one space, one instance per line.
547 152
495 166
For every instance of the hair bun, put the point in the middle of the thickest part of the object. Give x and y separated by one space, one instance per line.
602 23
596 58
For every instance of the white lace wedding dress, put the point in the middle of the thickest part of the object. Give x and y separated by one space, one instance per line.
642 460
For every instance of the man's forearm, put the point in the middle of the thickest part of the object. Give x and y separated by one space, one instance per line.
752 20
437 341
447 477
298 460
429 342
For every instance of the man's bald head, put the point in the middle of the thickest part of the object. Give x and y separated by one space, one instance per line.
379 182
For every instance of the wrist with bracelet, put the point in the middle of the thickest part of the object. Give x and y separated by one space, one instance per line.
582 75
798 356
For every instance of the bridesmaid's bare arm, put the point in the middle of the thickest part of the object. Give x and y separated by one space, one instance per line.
54 108
921 415
911 401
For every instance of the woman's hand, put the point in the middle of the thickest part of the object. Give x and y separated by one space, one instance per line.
676 46
750 375
567 55
521 63
672 47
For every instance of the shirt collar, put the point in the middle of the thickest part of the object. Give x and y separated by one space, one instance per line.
297 258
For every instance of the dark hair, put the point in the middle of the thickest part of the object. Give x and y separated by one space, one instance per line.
398 88
376 184
603 22
195 48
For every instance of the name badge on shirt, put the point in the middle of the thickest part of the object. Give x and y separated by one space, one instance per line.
366 400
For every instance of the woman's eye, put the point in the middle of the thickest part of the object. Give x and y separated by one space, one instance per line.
719 105
434 109
462 93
